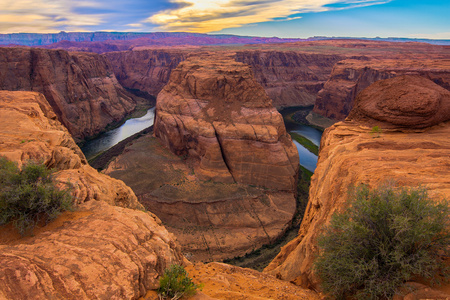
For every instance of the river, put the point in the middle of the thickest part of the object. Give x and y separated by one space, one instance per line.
108 139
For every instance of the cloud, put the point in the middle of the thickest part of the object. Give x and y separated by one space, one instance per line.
42 16
207 15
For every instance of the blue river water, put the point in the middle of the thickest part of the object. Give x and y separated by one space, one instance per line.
113 137
108 139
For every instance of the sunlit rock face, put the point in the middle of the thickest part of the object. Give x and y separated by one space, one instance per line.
108 248
80 87
411 146
212 109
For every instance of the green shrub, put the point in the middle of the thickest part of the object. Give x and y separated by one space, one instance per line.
175 283
29 196
385 237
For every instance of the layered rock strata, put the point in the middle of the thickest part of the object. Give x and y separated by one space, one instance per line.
290 78
80 87
213 110
100 250
145 70
412 148
350 77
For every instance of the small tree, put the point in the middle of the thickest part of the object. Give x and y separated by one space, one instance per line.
383 239
29 195
175 283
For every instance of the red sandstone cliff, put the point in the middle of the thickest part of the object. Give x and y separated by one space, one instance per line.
145 70
107 248
290 78
350 77
412 149
80 87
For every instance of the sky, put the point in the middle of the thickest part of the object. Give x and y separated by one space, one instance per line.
281 18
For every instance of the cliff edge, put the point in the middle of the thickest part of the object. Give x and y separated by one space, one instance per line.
106 248
411 147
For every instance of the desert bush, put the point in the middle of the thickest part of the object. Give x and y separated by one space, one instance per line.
385 237
175 283
29 196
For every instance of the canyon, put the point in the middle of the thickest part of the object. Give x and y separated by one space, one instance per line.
108 247
218 178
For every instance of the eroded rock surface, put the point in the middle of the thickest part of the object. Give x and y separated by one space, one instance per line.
145 70
351 153
412 102
100 251
290 78
80 87
213 110
350 77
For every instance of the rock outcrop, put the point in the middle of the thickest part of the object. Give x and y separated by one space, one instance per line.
99 251
290 78
404 150
350 77
30 130
213 110
80 87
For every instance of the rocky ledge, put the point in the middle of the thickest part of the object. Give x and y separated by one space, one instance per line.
100 250
411 147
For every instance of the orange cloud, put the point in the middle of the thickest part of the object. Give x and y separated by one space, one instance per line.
207 15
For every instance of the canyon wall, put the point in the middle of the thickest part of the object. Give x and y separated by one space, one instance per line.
350 77
80 87
290 78
412 148
107 248
145 70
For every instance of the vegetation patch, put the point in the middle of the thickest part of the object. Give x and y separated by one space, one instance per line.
313 148
385 237
175 283
29 196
